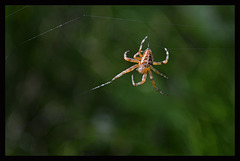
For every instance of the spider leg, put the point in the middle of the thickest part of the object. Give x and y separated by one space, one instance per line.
140 48
135 56
130 59
143 80
96 87
156 71
165 61
119 75
125 71
154 85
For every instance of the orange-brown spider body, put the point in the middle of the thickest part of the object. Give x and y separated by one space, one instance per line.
146 61
144 65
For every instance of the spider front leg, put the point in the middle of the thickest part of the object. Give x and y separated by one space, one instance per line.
126 71
156 71
130 59
165 61
154 85
143 80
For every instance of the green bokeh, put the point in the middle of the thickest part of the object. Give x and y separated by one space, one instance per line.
45 76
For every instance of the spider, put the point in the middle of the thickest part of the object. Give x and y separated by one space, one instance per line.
144 64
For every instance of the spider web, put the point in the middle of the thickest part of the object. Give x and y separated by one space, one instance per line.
152 27
125 20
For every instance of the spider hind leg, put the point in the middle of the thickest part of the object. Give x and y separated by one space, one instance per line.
164 61
130 59
140 48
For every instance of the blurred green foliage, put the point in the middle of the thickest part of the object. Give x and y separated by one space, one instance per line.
48 67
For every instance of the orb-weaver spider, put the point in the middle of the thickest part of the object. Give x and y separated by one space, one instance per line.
144 65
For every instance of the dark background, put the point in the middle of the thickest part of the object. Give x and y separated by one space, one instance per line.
48 67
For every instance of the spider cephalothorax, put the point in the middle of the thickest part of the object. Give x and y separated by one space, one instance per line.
144 64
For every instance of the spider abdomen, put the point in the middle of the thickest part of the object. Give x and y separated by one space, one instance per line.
147 58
